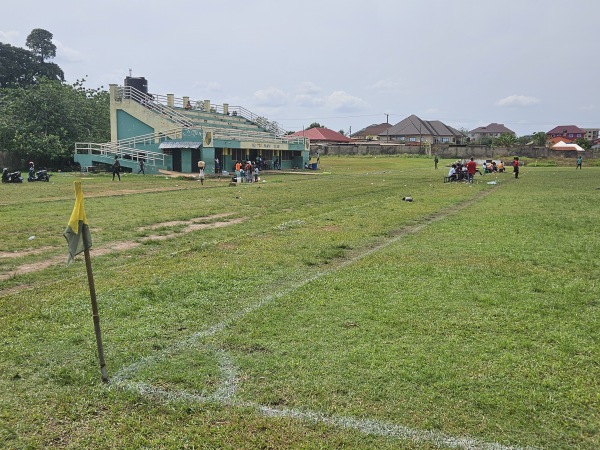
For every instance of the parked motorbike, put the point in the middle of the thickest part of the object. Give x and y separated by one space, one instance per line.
40 175
11 177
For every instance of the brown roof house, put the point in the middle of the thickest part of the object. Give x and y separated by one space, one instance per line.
567 131
321 135
371 133
492 130
414 131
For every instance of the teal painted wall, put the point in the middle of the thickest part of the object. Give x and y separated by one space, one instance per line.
208 156
186 160
128 126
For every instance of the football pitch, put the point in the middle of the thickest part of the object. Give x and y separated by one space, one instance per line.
308 310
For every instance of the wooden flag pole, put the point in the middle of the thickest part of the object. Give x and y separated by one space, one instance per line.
88 266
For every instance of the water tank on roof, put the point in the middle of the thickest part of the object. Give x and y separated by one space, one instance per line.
138 83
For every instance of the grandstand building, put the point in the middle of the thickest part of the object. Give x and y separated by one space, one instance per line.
173 134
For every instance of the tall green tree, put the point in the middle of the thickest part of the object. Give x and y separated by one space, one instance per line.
20 67
40 43
315 125
42 122
540 139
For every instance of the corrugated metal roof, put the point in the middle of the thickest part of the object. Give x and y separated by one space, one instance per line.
179 144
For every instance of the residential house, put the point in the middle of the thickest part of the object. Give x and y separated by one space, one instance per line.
591 134
321 135
493 130
566 131
414 131
371 133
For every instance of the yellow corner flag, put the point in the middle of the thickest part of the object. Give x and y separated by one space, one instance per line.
77 233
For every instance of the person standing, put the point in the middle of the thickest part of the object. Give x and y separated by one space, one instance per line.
248 170
579 162
436 161
516 166
116 169
471 168
141 169
201 175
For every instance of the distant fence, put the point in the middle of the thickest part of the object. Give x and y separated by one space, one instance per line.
446 151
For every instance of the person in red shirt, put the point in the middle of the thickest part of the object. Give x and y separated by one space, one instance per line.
471 169
516 166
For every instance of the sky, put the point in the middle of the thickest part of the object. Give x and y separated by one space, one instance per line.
531 65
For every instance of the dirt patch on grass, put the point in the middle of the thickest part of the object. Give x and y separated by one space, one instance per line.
192 225
22 253
175 223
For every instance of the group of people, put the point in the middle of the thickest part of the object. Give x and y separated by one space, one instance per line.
460 171
465 171
248 171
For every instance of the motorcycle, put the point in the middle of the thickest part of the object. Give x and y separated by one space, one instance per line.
40 175
11 177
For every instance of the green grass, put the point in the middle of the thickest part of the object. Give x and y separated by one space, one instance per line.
327 311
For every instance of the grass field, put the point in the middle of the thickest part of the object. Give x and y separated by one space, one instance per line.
306 311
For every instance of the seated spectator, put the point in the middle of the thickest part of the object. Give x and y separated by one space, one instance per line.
452 172
188 105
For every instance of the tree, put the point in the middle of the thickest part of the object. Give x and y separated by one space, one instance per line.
315 125
40 43
42 122
20 67
583 143
506 140
342 132
540 139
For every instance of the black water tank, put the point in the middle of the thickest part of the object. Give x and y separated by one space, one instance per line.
138 83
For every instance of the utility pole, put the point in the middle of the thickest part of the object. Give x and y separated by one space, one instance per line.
387 130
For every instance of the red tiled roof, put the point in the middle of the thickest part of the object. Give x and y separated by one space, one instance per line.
557 139
321 134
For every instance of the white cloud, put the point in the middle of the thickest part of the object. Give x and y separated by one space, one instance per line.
9 37
387 86
518 100
588 107
344 102
308 88
307 100
270 96
67 54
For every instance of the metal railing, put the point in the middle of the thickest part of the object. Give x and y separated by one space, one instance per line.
156 103
126 148
111 150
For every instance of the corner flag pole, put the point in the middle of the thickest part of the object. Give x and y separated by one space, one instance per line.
79 239
96 316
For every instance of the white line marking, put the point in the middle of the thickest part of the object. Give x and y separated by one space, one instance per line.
225 393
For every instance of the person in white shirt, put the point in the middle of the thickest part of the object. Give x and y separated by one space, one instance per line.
452 172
